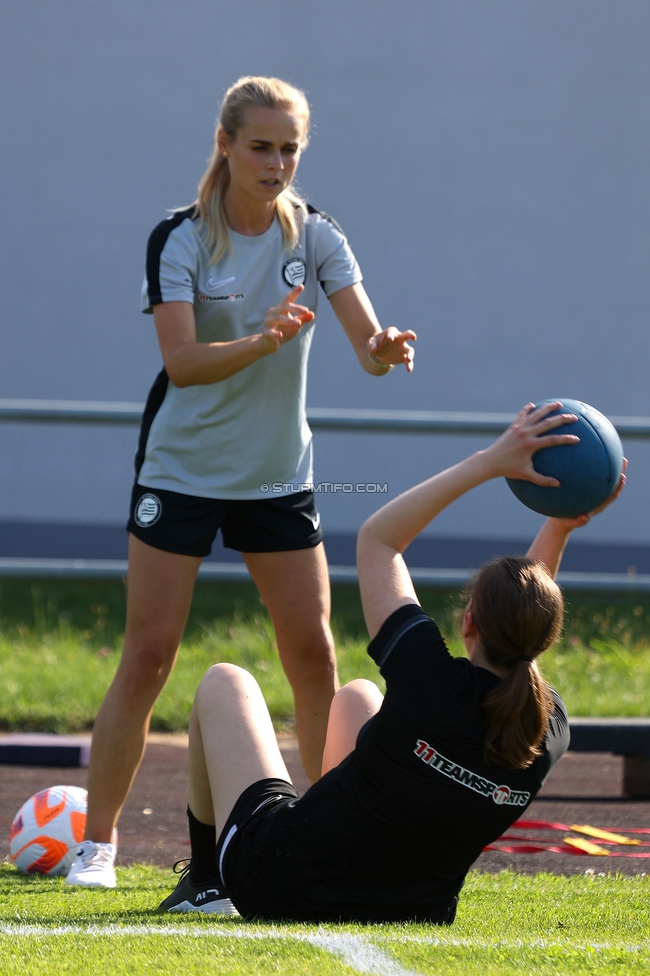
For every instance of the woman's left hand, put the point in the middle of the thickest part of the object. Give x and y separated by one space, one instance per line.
392 347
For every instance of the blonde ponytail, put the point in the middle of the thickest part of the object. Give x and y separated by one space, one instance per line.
517 609
211 202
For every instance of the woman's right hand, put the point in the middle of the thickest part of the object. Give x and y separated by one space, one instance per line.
284 321
511 456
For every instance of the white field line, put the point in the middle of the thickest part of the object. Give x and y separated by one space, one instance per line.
343 944
532 943
355 951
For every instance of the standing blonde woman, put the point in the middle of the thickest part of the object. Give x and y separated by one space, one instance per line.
232 282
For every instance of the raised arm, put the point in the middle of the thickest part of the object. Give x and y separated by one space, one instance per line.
192 363
389 347
550 542
384 580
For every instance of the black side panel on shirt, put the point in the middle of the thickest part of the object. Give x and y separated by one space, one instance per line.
325 216
321 213
151 408
155 245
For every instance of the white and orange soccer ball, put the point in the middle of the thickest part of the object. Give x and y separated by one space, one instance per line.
47 830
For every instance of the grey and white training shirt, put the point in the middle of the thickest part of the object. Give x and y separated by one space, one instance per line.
225 439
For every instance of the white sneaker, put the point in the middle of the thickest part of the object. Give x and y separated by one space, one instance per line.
93 866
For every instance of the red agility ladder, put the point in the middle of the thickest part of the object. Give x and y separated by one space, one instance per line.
607 837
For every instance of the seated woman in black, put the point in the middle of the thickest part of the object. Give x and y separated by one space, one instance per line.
415 784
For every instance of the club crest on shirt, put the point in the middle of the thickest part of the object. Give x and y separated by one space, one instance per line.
147 511
294 272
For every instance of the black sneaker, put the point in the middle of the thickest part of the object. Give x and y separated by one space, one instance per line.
205 897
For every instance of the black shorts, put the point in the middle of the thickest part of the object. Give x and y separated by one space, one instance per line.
272 870
254 802
187 525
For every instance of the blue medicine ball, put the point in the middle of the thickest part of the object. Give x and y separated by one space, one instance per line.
588 472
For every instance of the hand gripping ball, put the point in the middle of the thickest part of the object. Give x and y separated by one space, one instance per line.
588 472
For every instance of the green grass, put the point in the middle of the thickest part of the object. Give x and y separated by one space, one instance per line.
60 640
506 924
59 646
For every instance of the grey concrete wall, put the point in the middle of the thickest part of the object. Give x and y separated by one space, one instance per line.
487 158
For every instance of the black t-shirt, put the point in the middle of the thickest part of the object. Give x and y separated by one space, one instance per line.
391 832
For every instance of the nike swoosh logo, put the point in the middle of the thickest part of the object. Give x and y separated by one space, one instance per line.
213 285
315 522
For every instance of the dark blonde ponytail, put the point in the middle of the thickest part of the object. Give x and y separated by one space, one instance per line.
517 609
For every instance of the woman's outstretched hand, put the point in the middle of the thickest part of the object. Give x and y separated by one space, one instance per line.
391 347
532 429
284 321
